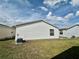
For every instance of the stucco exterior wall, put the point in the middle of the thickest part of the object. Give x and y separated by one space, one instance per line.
39 30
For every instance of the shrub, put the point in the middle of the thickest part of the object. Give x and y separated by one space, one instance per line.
73 36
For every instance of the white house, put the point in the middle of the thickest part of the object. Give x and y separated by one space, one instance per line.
39 29
70 32
6 31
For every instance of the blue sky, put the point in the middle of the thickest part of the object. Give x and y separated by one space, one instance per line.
62 13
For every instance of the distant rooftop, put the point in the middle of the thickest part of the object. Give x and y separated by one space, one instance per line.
69 27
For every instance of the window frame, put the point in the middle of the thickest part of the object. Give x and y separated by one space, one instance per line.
51 32
61 32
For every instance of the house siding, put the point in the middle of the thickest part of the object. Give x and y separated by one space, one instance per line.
39 30
5 32
74 31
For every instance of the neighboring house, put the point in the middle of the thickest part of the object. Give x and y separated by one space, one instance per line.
70 32
6 31
63 32
36 30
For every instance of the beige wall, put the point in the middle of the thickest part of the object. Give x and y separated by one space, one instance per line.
5 32
34 31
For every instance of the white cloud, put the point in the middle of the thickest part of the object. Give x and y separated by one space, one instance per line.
49 16
44 8
32 17
52 2
68 16
35 16
9 14
24 2
77 23
33 9
77 13
57 20
75 2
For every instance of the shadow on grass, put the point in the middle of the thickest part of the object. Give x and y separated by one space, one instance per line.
8 38
72 53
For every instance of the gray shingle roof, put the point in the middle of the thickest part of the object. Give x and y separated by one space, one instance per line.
69 27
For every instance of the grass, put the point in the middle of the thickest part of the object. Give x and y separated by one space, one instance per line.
37 49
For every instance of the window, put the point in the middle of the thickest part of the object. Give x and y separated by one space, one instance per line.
51 32
61 32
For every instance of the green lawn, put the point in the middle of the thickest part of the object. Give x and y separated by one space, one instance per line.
37 49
